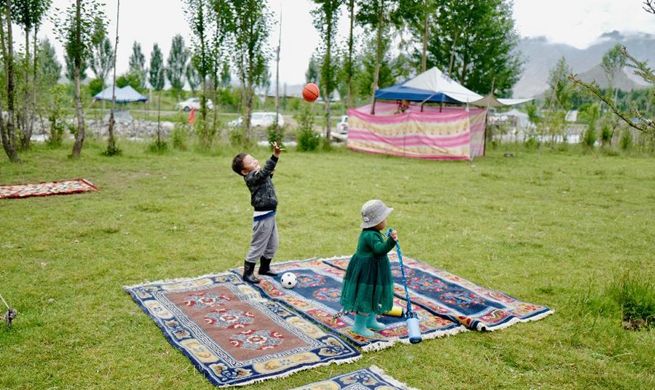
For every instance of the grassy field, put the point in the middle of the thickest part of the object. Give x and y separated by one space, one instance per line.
565 230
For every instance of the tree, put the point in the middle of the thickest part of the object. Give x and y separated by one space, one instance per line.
207 20
474 42
6 42
102 54
249 31
326 19
311 75
176 64
29 14
137 64
613 63
49 67
156 77
75 32
102 60
157 82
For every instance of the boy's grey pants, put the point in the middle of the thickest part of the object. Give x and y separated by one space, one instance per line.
264 240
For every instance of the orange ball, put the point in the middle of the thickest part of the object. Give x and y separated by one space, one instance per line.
310 92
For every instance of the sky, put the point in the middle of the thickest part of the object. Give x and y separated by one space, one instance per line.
575 22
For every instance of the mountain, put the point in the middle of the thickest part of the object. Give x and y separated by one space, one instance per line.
541 57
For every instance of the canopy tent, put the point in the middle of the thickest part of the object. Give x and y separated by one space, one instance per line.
430 133
124 95
434 86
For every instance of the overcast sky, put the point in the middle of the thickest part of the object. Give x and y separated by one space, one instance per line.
575 22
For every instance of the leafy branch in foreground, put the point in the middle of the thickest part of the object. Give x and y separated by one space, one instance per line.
634 118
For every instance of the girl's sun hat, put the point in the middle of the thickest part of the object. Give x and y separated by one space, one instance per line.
373 212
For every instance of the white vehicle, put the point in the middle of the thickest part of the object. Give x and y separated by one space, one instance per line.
342 126
193 102
259 119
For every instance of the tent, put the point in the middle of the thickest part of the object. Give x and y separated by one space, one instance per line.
430 133
124 95
434 86
419 131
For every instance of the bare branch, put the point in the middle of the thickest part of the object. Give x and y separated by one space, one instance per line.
649 6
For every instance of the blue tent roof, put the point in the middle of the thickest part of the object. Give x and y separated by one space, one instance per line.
400 92
126 94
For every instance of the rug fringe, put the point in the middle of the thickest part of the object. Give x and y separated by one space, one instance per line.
178 280
393 381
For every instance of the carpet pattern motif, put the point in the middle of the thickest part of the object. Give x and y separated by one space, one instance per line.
371 378
316 297
455 298
233 335
46 188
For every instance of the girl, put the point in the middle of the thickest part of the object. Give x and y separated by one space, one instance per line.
368 285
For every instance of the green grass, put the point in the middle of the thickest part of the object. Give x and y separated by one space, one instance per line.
553 228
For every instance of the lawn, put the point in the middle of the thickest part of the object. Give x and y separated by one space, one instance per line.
561 229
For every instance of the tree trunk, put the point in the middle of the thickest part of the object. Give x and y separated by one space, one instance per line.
378 55
27 117
8 133
111 141
351 40
79 139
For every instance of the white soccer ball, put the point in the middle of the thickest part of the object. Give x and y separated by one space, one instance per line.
288 280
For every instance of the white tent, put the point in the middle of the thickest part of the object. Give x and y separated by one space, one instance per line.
127 94
437 82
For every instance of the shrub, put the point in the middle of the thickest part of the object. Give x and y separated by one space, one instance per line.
180 136
308 139
589 136
626 139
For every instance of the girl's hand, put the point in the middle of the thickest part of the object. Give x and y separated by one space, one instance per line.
277 150
394 235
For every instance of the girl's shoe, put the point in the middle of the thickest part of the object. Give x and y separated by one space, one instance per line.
372 323
360 327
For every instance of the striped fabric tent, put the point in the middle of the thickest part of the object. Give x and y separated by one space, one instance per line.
432 133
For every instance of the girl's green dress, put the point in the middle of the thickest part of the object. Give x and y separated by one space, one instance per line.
368 284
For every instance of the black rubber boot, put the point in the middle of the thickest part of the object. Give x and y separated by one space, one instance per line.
248 270
265 267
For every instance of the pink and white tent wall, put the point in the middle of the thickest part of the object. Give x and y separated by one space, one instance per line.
435 133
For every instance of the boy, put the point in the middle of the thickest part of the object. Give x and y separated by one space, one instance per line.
264 242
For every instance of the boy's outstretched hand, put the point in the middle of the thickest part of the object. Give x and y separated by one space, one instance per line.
276 149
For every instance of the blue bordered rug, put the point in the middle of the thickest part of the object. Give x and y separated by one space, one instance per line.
316 296
233 335
371 378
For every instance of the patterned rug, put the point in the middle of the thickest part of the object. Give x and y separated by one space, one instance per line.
46 188
372 378
233 335
316 296
456 298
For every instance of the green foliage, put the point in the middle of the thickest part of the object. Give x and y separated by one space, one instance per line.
112 150
589 137
156 72
49 66
57 99
137 65
275 133
96 86
626 139
606 132
180 135
205 132
130 79
634 293
476 57
176 64
158 147
308 139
